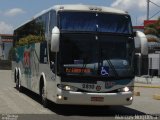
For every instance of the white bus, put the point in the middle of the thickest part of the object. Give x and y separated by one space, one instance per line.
76 55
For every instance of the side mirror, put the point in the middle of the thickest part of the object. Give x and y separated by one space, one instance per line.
55 39
141 42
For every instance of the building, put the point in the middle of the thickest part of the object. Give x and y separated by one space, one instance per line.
145 23
150 63
138 28
6 43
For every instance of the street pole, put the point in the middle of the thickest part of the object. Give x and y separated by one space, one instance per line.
148 9
1 54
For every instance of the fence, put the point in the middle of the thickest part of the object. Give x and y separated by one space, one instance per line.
5 65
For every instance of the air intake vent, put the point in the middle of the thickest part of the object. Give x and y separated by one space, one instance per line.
95 9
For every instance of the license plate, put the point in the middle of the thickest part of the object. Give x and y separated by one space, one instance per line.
97 99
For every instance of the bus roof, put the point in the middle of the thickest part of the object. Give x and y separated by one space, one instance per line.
77 7
81 7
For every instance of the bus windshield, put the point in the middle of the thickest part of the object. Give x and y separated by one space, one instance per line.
95 40
91 22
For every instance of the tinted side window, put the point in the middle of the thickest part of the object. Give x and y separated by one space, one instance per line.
53 20
44 22
31 32
43 52
52 55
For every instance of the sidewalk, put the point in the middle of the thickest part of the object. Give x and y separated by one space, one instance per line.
147 82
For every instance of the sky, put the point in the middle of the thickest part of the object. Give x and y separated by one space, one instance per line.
15 12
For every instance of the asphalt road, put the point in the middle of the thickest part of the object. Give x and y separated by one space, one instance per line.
26 105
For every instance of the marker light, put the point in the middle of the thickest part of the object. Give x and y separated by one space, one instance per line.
59 97
129 99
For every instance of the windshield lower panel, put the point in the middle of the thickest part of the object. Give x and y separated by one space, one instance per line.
84 54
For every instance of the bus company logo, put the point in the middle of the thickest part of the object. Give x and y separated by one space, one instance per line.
109 84
98 88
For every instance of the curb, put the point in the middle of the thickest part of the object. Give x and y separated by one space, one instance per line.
136 93
145 86
156 97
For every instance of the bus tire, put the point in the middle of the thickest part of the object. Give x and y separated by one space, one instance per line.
44 99
15 75
17 80
19 87
43 94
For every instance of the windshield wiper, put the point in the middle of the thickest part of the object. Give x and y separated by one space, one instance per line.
112 67
108 60
83 68
84 65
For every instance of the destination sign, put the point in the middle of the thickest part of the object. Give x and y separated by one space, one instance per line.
78 70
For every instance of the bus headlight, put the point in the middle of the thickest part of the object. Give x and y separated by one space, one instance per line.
66 87
125 89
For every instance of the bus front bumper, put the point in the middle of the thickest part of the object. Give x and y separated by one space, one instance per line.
79 98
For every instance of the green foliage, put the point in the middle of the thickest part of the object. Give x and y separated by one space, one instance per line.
153 28
29 39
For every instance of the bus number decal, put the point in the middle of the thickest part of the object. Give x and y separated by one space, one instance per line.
88 86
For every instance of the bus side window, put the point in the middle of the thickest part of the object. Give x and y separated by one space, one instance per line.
53 20
43 53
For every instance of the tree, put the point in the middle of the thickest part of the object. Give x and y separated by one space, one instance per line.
153 28
153 31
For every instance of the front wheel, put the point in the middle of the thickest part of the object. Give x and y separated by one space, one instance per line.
18 84
43 97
